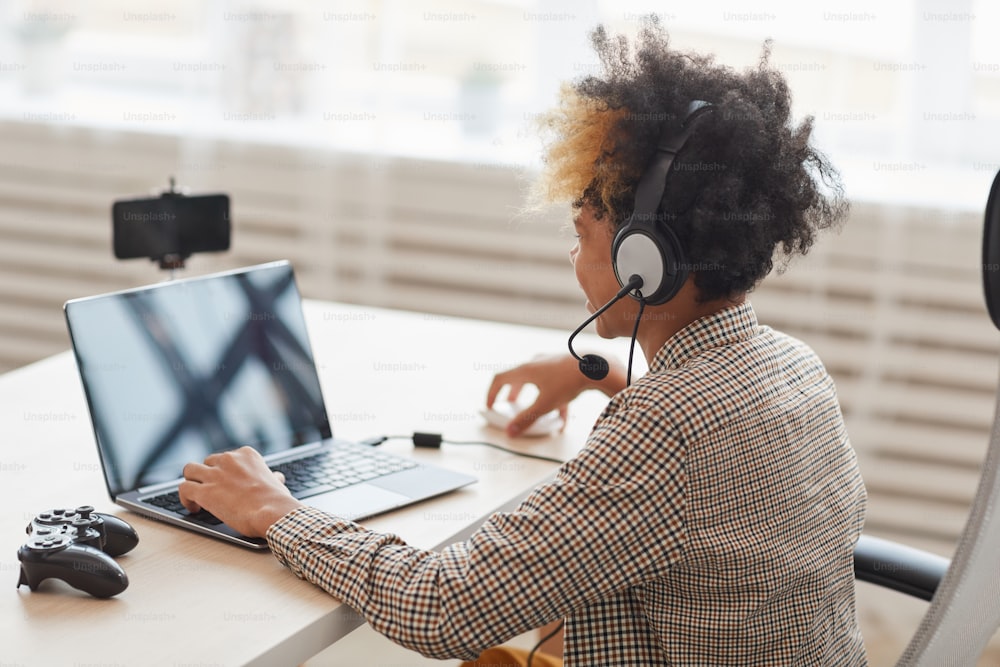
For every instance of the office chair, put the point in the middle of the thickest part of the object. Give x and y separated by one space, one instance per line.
964 592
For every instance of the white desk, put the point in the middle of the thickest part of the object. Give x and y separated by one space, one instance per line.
193 600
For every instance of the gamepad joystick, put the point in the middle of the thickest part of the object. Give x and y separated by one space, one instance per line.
77 546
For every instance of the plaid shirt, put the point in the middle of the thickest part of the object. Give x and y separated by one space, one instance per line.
710 520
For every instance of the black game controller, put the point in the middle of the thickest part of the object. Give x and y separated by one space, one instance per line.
77 546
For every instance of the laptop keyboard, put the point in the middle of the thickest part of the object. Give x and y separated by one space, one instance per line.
171 501
334 468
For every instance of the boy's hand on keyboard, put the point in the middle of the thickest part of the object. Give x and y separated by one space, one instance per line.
239 489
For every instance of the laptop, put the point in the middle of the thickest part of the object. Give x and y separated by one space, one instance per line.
175 371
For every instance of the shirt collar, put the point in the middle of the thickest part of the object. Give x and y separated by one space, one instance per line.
724 327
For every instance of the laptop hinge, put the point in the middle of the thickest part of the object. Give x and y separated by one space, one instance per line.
162 486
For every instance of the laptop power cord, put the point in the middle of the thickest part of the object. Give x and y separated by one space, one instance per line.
435 440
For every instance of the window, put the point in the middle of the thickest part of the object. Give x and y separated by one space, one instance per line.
905 94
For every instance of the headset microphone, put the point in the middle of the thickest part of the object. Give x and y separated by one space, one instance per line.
593 366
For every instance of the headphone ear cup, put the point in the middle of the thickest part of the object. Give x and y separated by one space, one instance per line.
653 253
637 252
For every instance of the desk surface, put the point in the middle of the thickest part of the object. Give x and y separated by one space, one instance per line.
196 600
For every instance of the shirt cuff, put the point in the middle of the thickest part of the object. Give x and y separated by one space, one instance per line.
300 526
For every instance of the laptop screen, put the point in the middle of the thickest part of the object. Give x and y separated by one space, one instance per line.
178 370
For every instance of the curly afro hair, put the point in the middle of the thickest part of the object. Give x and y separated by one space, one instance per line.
746 185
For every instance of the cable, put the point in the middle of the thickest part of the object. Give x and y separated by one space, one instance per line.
531 656
434 441
540 457
635 332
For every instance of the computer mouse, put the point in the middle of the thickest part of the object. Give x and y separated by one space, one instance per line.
503 411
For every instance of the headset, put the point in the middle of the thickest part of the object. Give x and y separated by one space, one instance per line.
645 246
647 257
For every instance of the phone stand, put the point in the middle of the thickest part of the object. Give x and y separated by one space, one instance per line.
170 228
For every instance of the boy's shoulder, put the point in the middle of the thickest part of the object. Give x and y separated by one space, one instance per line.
714 384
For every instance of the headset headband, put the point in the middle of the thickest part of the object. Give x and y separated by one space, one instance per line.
646 246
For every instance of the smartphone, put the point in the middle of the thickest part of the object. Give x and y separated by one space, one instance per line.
171 225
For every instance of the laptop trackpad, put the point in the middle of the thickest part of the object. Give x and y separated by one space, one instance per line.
357 501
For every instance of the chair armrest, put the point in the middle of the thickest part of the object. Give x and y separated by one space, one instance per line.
898 567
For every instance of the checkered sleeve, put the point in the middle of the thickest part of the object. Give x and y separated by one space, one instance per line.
612 519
